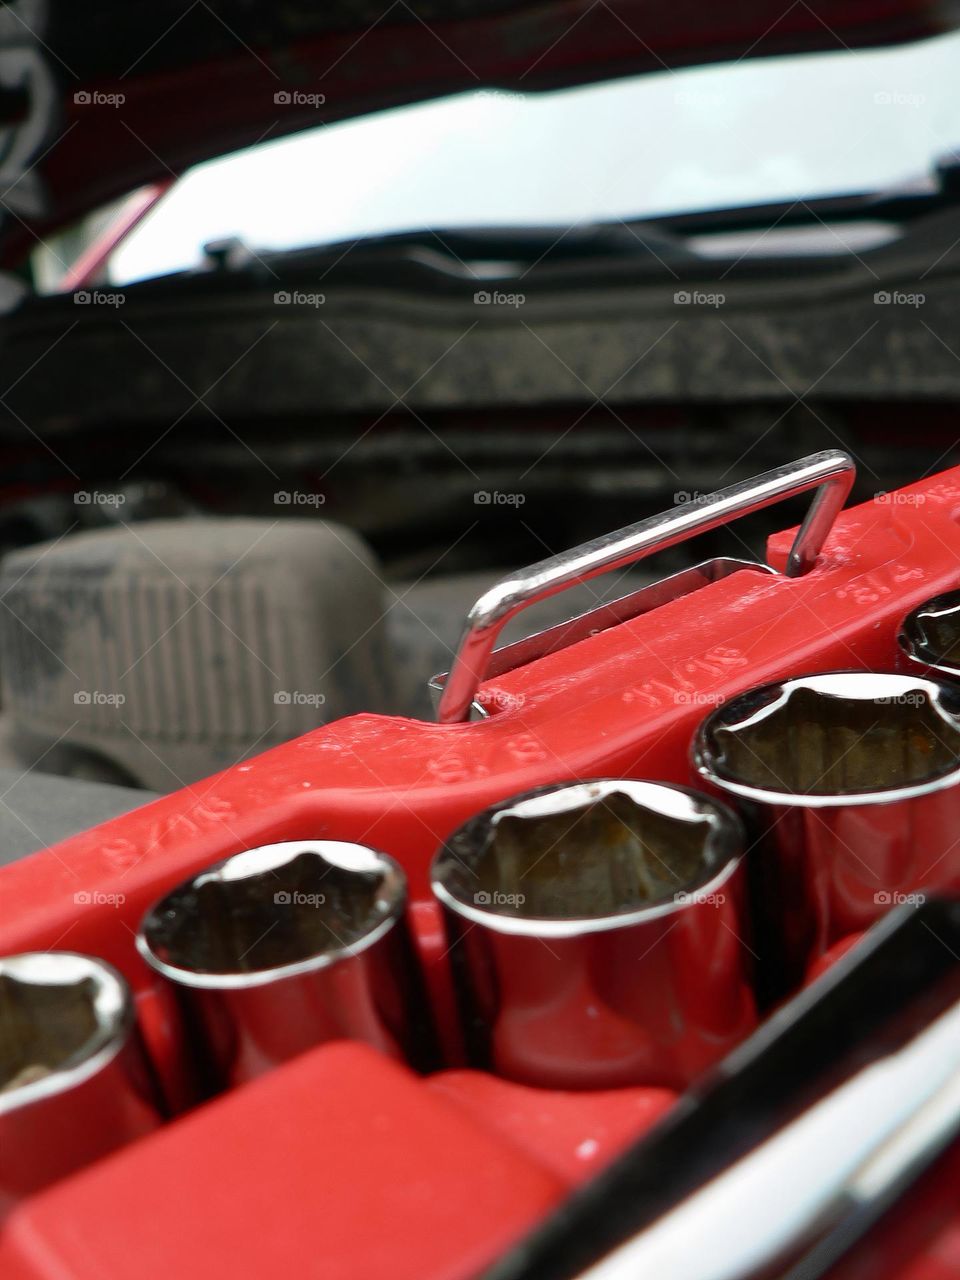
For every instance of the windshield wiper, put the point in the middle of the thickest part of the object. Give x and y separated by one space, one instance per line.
900 204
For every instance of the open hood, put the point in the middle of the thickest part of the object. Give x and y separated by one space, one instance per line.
97 99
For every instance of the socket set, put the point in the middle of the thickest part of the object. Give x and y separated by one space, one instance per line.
643 959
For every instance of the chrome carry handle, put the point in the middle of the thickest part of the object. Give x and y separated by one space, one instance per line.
831 473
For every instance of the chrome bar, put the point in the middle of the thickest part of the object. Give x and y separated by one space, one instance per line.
832 473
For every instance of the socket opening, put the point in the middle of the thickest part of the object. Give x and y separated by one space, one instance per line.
589 851
930 635
269 911
58 1011
847 733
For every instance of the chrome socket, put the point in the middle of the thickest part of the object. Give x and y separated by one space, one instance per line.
74 1081
596 934
849 784
287 946
930 636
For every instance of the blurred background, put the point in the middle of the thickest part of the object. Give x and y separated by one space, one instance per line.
316 323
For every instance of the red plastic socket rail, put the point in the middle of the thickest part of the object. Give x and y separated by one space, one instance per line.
343 1163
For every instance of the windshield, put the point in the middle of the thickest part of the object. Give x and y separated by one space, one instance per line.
732 134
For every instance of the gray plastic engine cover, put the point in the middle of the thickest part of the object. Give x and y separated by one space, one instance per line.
172 649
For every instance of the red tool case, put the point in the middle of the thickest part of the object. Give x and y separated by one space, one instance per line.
342 1163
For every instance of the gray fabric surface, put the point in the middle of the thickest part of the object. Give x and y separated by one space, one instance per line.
37 809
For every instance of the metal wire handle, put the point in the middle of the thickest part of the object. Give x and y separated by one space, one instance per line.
831 473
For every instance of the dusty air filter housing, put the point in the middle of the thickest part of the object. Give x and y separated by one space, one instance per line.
164 651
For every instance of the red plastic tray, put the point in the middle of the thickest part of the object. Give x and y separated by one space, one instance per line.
343 1163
